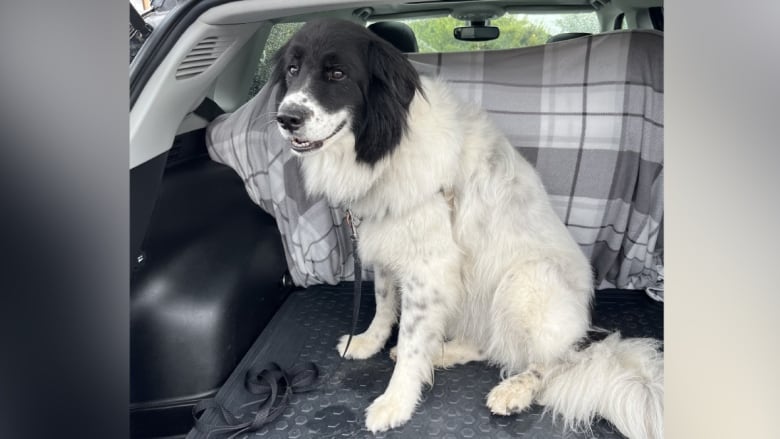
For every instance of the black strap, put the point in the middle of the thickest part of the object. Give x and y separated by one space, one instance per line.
353 223
208 109
272 385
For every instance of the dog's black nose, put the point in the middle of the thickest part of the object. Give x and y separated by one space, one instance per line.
292 117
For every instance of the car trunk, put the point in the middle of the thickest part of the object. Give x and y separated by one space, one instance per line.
212 294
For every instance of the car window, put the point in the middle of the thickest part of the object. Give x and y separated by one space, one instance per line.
435 35
517 30
280 34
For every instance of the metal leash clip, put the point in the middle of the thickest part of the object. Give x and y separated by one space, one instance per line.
353 221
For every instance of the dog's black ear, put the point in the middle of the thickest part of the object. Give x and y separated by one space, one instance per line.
392 84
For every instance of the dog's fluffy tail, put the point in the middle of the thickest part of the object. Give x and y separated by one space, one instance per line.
620 380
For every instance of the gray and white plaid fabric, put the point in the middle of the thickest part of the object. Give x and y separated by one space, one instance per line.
588 113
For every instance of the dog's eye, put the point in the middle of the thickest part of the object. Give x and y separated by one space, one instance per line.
336 75
293 70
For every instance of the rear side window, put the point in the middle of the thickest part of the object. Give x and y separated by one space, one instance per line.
517 30
280 34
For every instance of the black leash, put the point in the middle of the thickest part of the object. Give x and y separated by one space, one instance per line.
354 222
272 385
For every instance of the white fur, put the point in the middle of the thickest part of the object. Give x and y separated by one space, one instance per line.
494 268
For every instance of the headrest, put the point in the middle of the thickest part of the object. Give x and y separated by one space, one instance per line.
396 33
567 36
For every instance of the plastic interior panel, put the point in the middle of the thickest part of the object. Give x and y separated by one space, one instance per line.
165 100
209 283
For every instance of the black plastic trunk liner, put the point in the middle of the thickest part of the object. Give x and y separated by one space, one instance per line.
307 327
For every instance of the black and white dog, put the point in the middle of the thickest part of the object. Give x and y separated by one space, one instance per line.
461 235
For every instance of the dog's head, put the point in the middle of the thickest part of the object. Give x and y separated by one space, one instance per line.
335 78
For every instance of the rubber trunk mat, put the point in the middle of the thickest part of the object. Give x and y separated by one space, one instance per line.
310 322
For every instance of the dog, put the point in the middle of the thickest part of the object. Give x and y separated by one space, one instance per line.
461 235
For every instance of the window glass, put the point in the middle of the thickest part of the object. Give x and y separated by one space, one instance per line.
280 34
516 30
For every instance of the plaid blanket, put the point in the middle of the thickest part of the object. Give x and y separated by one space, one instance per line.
587 113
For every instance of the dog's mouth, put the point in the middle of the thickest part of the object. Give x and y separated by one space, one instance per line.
302 145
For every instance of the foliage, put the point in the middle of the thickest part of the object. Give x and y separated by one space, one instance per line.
435 35
280 34
585 22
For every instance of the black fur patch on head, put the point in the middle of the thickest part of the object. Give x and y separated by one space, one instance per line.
391 89
379 86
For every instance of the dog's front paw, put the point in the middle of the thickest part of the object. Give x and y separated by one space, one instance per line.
361 347
389 411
